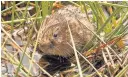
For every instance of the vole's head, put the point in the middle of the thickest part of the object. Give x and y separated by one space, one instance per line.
55 37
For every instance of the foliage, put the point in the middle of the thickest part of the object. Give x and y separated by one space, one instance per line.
108 43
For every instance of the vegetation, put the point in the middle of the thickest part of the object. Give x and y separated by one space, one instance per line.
106 55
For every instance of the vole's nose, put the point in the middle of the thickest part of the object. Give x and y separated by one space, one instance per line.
52 44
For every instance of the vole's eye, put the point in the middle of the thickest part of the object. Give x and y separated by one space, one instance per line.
55 35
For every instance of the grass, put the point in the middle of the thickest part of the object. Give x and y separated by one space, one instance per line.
111 46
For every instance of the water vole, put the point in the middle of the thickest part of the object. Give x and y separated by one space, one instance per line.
55 38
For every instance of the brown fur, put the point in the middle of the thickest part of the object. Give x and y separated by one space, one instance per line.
55 37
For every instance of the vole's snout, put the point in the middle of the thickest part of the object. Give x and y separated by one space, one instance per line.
51 44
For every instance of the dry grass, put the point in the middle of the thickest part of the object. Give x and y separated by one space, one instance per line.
106 54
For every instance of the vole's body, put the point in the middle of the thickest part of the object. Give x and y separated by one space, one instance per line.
55 38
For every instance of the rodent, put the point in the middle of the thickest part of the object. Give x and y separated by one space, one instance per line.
55 37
